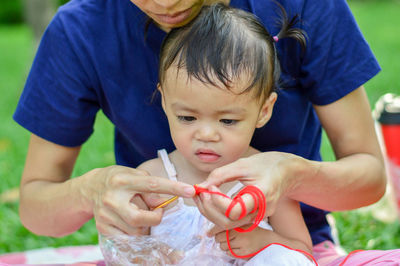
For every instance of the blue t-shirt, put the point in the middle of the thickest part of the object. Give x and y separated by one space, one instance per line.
94 56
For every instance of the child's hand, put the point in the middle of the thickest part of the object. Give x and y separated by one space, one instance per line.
153 200
213 207
244 243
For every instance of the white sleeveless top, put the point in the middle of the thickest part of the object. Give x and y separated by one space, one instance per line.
184 228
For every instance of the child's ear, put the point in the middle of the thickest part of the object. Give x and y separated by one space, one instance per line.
162 96
266 110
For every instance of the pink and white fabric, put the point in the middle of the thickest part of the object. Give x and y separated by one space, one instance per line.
74 255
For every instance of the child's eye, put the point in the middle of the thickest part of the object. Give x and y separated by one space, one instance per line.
186 118
228 122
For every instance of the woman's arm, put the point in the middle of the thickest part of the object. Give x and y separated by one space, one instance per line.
53 204
49 200
357 178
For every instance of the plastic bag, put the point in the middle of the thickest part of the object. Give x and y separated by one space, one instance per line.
180 239
154 250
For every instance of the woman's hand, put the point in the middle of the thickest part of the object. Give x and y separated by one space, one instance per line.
269 171
117 199
54 204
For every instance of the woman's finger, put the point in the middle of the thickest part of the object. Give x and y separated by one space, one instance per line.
227 173
160 185
138 217
106 217
107 229
123 206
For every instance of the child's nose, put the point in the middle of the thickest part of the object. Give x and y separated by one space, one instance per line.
207 133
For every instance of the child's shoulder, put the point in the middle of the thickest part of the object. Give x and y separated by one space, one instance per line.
154 167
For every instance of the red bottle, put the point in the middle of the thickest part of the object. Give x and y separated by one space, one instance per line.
388 114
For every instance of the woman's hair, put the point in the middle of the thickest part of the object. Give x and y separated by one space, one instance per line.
223 43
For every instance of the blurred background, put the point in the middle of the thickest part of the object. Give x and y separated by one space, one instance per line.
22 23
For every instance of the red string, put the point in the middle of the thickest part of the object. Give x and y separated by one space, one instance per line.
260 206
348 256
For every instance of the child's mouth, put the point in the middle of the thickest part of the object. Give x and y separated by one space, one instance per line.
207 156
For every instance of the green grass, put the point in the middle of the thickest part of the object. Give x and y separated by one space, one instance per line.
357 230
379 22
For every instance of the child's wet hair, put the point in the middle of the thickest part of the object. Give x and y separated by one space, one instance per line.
222 43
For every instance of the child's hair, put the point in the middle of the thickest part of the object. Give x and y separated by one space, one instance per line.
224 42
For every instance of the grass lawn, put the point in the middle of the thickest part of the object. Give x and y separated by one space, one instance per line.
357 230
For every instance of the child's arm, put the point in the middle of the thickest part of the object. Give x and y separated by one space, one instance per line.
289 229
288 223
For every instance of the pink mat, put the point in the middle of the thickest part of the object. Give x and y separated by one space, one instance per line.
74 255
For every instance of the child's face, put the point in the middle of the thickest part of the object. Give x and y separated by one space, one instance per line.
211 126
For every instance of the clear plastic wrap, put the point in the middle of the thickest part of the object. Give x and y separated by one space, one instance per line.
126 250
153 250
181 239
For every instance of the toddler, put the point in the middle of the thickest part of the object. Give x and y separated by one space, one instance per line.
217 79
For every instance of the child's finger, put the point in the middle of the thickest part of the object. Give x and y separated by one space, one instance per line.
220 237
153 199
238 209
224 246
199 204
235 244
221 203
215 231
139 201
212 213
